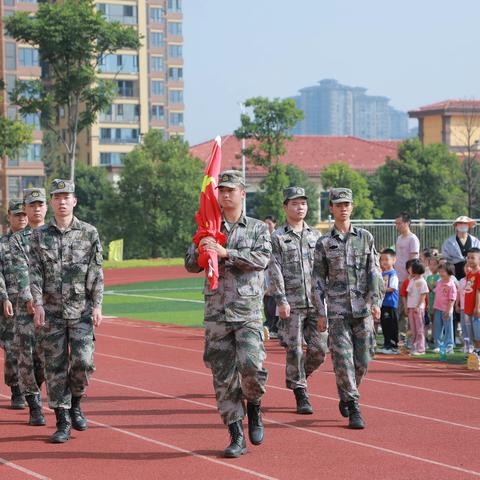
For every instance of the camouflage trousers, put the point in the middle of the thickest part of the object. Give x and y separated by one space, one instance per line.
235 353
31 373
67 346
352 345
301 325
7 335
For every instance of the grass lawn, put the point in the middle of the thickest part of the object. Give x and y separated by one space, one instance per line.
139 263
169 301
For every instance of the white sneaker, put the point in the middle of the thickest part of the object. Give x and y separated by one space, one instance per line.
417 354
450 351
436 350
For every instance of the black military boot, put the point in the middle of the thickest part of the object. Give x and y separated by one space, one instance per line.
79 422
35 405
304 407
64 425
237 446
255 423
17 400
343 407
355 417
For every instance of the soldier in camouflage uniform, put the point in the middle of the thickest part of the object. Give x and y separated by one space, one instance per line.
290 271
347 276
234 349
30 363
8 295
66 283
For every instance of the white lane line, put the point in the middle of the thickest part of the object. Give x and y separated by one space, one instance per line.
275 387
183 450
24 470
307 430
152 297
366 379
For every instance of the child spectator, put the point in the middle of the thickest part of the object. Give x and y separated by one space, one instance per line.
472 296
432 280
467 332
403 292
389 315
416 297
445 296
425 256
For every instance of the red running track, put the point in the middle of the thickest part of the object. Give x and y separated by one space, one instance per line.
152 416
125 276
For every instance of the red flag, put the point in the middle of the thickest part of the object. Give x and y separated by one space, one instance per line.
209 215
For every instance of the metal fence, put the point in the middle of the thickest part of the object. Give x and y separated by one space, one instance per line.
431 233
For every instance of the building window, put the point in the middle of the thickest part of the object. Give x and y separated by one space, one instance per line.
157 112
31 182
119 64
11 56
175 51
119 135
174 28
175 73
126 14
32 119
28 57
31 153
175 96
127 88
174 5
156 63
9 3
158 87
112 158
176 119
156 39
10 83
14 187
156 14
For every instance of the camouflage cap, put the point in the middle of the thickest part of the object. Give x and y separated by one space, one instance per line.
340 195
31 195
291 193
62 186
231 179
15 205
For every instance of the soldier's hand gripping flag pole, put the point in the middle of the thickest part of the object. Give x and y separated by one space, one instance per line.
209 215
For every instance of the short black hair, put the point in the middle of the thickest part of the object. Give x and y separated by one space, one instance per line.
417 267
405 217
427 253
388 251
474 250
408 263
448 267
271 218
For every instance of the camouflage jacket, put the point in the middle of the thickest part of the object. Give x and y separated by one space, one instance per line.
291 264
66 275
8 285
240 285
346 274
20 248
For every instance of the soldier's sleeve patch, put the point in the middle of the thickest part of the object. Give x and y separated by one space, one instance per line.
98 258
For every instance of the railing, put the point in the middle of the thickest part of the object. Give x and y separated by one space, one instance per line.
112 141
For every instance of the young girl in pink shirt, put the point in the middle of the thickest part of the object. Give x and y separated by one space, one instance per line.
417 291
445 296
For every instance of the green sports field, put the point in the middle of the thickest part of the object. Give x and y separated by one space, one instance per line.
169 301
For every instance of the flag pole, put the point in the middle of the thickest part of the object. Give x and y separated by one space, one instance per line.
242 111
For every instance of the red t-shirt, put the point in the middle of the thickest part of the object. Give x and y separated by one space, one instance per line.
403 288
471 287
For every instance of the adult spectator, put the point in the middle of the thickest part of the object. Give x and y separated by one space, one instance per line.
456 247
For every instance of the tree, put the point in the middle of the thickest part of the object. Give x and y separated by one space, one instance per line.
424 181
269 128
157 198
342 175
72 39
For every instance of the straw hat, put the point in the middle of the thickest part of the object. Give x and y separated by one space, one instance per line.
464 219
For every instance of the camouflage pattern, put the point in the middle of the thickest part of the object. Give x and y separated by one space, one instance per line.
234 348
8 291
31 195
347 276
290 274
231 179
66 277
62 186
15 205
291 193
30 360
292 331
235 353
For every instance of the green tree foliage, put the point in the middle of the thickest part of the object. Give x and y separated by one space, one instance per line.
269 124
157 198
342 175
14 134
424 181
72 39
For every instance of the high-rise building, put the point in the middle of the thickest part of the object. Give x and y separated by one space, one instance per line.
149 81
331 108
19 62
